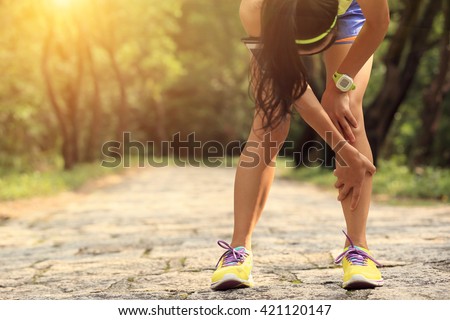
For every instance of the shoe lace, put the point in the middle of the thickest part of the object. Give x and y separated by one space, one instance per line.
231 256
355 255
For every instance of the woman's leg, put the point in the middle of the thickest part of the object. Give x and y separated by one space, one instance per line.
254 176
355 220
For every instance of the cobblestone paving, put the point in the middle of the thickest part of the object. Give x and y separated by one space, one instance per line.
153 236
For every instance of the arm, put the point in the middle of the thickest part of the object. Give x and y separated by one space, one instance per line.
369 38
336 103
357 165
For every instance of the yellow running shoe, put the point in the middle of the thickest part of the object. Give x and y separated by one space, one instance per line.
233 270
360 268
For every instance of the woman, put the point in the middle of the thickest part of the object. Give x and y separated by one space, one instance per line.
348 33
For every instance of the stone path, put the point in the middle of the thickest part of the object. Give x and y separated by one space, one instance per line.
153 236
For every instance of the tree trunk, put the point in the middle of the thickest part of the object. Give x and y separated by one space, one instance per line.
67 147
92 138
122 113
433 99
414 29
160 125
73 100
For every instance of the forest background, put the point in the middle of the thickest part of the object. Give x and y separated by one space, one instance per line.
78 73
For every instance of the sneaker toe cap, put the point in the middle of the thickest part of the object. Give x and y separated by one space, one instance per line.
239 271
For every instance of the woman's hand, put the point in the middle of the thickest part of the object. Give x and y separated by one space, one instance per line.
337 106
351 173
354 167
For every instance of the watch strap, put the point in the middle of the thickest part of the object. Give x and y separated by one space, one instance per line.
337 76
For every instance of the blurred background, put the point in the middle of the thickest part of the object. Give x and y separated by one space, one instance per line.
78 73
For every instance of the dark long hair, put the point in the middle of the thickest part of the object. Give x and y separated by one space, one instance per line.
280 77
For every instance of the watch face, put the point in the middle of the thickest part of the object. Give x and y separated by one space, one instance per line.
345 83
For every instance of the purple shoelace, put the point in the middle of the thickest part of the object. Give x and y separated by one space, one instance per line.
355 255
232 256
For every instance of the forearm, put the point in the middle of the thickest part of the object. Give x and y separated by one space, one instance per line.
369 38
354 166
315 116
362 49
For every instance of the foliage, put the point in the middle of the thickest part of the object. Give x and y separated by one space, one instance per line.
392 180
79 73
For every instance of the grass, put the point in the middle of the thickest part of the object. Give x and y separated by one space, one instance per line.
167 267
183 261
15 186
393 183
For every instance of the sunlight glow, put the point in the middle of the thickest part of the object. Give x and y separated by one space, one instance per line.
63 3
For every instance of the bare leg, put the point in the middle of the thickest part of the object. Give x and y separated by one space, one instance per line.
356 220
254 177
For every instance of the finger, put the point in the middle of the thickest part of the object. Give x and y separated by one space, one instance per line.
351 119
347 130
355 197
342 131
343 192
372 169
338 184
334 173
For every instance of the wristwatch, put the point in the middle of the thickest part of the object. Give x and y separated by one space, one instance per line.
343 82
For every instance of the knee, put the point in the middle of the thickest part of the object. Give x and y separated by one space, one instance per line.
357 111
361 142
360 131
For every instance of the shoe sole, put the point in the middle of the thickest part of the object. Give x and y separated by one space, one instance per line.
231 281
360 282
